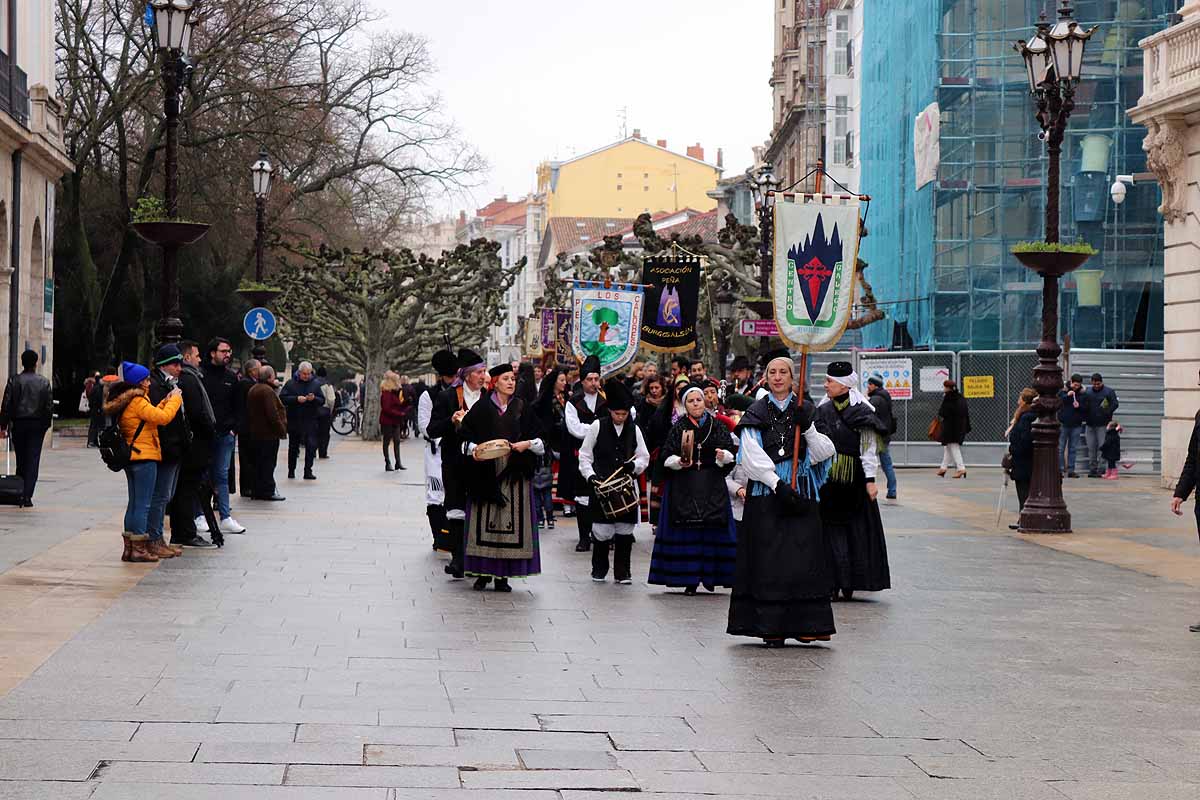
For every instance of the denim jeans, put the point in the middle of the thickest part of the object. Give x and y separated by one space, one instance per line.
222 453
164 489
1095 438
889 470
140 477
1068 440
543 504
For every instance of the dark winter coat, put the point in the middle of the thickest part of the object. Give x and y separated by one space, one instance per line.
190 434
221 385
266 418
1020 445
1111 449
1188 477
956 418
1069 415
881 400
391 408
301 415
1099 407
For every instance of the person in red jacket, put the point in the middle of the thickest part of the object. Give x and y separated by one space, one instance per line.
391 417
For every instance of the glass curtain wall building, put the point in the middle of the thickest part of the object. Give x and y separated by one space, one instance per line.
939 255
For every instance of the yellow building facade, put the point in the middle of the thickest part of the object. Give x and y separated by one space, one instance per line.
626 179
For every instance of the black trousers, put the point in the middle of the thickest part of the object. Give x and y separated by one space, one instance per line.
1022 493
583 517
95 425
622 547
246 449
437 519
305 437
458 544
266 455
324 428
27 437
186 503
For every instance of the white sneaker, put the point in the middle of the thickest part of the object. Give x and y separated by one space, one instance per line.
231 525
201 524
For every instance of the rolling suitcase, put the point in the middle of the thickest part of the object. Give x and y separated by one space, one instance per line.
12 487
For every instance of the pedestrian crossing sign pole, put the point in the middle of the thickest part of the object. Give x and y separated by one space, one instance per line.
259 324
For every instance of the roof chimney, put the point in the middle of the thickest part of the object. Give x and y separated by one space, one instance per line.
637 133
462 218
696 152
662 143
720 158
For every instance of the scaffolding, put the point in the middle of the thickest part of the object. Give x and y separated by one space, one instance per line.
989 193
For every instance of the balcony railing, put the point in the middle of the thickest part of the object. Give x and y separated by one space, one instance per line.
1172 58
14 90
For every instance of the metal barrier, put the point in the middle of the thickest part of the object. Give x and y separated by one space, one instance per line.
1000 375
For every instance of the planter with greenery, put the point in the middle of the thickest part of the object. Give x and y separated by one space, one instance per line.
1053 258
258 294
152 223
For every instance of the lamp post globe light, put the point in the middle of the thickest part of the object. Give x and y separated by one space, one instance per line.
173 23
260 173
1053 64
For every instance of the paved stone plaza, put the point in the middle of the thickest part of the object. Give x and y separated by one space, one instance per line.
325 655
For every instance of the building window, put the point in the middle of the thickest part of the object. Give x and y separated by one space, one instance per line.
645 188
841 39
645 175
841 125
618 187
619 176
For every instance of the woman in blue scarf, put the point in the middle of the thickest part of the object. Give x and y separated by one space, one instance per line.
783 581
696 542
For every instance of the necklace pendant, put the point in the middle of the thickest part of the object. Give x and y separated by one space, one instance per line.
781 451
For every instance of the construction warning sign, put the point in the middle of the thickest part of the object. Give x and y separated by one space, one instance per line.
976 387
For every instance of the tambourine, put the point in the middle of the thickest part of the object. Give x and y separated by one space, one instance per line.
491 450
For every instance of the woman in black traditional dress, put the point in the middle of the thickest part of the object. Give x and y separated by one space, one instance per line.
502 537
782 584
849 510
696 541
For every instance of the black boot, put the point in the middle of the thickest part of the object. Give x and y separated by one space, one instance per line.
502 585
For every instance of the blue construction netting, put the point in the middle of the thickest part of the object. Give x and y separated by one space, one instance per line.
899 63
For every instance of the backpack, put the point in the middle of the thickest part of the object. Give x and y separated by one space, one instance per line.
114 450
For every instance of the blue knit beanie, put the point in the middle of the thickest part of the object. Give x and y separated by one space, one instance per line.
133 373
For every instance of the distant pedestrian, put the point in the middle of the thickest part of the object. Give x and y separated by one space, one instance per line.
1020 445
391 418
325 414
139 422
247 379
221 384
956 424
266 425
1070 420
302 397
185 444
1111 449
1188 478
1100 403
881 400
25 416
96 408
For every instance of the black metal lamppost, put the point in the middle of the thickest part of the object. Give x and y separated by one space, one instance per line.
1054 63
260 172
173 23
725 301
763 186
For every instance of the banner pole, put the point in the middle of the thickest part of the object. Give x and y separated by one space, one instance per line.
819 179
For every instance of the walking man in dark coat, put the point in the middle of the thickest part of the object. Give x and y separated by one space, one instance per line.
303 399
266 425
25 415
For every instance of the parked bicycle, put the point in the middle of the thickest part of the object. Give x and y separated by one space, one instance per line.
347 419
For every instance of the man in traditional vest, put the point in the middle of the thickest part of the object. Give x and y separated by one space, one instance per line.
446 366
448 411
584 408
613 443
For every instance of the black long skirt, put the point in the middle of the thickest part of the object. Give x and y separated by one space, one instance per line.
854 530
782 581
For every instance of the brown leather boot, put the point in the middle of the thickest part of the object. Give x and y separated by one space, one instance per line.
159 549
139 553
128 551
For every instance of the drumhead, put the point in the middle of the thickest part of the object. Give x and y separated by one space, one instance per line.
491 450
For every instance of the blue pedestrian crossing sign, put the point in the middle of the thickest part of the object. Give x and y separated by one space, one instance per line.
259 324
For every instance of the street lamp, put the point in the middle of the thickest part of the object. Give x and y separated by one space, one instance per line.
260 173
1053 63
725 300
173 24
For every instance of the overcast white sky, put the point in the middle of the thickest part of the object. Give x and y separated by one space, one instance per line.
528 80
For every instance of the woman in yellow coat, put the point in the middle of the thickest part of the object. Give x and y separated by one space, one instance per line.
139 421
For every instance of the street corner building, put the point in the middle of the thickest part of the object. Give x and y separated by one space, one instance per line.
32 160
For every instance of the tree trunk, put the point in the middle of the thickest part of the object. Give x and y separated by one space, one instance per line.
376 366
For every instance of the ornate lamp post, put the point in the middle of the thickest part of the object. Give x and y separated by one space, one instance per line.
725 302
261 174
173 23
1054 63
763 185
